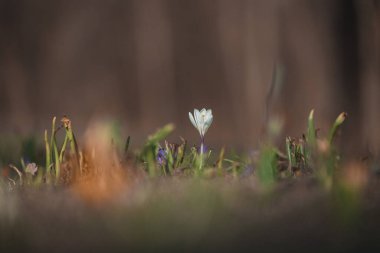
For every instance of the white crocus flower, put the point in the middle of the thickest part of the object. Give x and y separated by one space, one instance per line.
201 120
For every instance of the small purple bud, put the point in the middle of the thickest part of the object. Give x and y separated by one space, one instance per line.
31 168
161 156
248 170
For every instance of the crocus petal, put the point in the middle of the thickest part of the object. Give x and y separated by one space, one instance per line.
200 123
196 117
204 115
208 120
205 128
207 125
192 120
209 113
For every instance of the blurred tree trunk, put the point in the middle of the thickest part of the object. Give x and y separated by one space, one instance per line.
155 70
260 55
307 54
348 92
369 25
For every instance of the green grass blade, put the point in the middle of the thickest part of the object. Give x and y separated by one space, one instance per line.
338 122
47 153
52 136
311 133
220 161
56 161
63 148
170 159
23 166
181 153
289 153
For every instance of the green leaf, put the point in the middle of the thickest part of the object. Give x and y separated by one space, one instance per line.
267 166
160 134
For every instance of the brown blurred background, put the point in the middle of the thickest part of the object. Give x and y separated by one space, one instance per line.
147 63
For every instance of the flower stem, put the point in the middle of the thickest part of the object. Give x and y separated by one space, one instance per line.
201 153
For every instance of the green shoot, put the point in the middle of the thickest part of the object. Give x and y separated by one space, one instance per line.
288 142
52 136
71 138
220 161
63 148
311 133
47 154
338 122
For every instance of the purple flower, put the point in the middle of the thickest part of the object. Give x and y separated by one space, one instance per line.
161 156
31 168
247 171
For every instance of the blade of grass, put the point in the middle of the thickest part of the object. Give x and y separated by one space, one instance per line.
220 161
56 162
289 153
338 122
52 136
47 154
170 159
54 148
63 148
18 172
23 166
181 153
311 133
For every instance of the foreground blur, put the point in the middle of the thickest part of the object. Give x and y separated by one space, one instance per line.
192 215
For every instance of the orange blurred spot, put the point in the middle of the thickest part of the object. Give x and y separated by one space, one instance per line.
5 172
102 176
100 189
355 175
